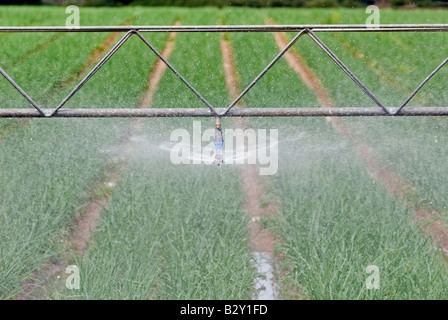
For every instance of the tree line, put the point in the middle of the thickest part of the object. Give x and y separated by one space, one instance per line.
247 3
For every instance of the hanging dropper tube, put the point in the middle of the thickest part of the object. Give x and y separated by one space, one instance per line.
219 142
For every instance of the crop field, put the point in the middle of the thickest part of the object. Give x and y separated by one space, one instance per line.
104 194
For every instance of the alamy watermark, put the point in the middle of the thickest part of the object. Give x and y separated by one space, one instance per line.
373 21
373 280
73 281
241 146
73 19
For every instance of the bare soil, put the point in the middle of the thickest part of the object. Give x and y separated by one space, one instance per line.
34 286
86 224
261 239
153 82
159 70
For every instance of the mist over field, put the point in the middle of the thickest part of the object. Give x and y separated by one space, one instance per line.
349 197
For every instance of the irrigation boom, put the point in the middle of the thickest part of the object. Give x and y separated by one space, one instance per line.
229 111
242 28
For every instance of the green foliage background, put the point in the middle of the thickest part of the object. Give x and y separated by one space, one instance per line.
246 3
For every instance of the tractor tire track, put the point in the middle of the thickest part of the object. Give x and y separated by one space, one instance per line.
156 76
34 51
262 241
42 280
37 49
429 221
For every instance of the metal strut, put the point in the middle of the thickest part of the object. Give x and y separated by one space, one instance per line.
219 142
229 111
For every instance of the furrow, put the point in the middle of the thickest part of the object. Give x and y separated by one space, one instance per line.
90 217
429 221
262 240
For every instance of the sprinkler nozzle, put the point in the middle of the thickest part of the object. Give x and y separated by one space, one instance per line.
219 142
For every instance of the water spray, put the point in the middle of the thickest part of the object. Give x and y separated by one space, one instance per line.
219 142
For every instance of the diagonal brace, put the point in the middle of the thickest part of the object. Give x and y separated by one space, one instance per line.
330 53
158 54
421 85
94 70
268 67
22 92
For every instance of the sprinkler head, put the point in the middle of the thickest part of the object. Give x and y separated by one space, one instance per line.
219 142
